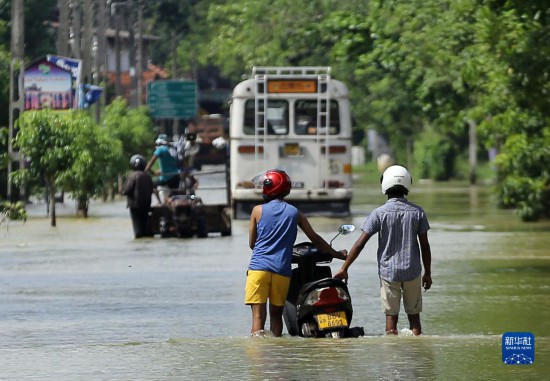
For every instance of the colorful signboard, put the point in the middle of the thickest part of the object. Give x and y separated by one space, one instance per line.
48 86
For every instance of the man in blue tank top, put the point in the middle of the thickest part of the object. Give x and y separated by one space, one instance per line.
272 233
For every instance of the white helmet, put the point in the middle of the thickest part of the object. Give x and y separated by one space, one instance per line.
396 175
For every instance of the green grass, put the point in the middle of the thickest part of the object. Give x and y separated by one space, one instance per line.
366 174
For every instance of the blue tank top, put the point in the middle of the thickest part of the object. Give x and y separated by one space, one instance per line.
277 231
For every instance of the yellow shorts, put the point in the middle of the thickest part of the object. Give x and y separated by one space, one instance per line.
263 285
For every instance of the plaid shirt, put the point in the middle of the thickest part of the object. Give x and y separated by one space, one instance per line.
398 223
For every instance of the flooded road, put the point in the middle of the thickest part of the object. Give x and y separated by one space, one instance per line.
85 301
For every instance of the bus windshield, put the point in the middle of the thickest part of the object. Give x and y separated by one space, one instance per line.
305 113
277 117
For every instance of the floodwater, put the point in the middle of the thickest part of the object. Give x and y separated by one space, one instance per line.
85 301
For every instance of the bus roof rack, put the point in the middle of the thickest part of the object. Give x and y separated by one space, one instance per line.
291 70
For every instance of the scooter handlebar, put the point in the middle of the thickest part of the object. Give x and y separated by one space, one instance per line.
306 250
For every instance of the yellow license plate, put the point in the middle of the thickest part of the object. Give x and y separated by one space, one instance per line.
332 320
292 149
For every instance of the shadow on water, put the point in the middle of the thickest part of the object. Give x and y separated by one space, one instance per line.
85 300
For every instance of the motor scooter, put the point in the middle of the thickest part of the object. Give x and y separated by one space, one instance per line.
318 305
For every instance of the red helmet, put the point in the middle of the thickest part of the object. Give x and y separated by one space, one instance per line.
276 183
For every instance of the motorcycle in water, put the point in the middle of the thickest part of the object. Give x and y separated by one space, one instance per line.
187 217
318 305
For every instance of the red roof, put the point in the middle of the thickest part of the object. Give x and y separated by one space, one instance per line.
152 73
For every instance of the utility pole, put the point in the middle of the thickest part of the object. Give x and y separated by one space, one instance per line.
132 52
176 122
100 53
87 41
17 65
76 27
139 53
63 30
116 14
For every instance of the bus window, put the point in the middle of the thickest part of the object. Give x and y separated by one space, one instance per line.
306 117
277 117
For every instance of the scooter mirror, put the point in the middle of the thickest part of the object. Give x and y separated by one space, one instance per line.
346 229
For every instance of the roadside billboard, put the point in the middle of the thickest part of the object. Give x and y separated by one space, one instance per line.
47 86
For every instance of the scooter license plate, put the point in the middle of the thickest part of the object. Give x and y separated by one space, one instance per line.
332 320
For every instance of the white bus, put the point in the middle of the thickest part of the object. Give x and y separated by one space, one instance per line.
296 119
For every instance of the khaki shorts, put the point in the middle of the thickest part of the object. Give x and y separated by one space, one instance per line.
263 285
391 292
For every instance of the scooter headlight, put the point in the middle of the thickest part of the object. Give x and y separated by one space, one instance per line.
326 296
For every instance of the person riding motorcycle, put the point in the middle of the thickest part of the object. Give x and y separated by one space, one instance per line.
169 178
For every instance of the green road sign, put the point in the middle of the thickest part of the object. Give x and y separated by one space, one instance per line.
172 99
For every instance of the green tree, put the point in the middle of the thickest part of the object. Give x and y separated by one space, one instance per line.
12 211
39 40
39 36
4 116
411 73
400 59
4 105
172 20
64 151
45 139
8 210
434 156
511 72
524 167
96 161
133 128
4 77
260 33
